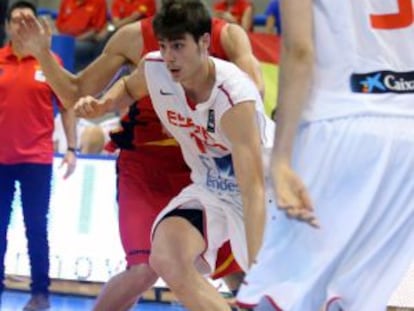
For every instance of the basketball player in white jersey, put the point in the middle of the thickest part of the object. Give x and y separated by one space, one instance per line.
345 150
215 113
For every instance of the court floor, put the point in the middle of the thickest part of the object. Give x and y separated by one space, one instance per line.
15 300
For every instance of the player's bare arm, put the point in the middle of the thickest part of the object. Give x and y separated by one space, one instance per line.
69 126
121 22
237 46
124 47
247 18
295 79
226 15
240 127
121 95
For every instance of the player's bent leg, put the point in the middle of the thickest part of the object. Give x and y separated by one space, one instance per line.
123 290
176 246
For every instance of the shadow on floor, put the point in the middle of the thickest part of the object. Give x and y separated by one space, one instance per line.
15 300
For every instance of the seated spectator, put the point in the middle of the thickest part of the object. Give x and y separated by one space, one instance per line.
92 140
273 22
128 11
86 21
235 11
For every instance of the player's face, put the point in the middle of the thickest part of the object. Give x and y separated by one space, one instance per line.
184 57
13 24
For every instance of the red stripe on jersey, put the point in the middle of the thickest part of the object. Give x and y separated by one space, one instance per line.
221 87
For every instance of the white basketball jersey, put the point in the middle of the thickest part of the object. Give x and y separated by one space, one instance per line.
364 53
197 129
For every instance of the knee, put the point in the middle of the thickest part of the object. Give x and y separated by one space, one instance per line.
143 273
167 267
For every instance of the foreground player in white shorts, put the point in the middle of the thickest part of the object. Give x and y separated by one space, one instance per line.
215 113
347 75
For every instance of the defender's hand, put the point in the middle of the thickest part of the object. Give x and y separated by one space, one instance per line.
292 195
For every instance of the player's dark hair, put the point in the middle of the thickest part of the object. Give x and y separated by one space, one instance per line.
178 17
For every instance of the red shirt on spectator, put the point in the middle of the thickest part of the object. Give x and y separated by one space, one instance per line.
26 111
124 8
76 17
236 9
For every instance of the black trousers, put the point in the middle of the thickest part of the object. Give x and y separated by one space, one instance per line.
35 185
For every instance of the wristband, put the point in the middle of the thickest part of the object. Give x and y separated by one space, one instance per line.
72 149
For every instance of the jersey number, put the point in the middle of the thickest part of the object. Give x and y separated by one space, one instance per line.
403 18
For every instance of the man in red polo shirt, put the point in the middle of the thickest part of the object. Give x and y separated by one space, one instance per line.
85 20
128 11
235 11
26 151
150 166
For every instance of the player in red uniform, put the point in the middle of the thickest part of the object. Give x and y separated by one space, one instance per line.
150 166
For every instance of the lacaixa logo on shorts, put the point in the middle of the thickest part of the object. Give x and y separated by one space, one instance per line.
383 82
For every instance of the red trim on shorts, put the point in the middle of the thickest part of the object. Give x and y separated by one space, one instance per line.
221 87
276 307
226 267
273 303
245 305
329 303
